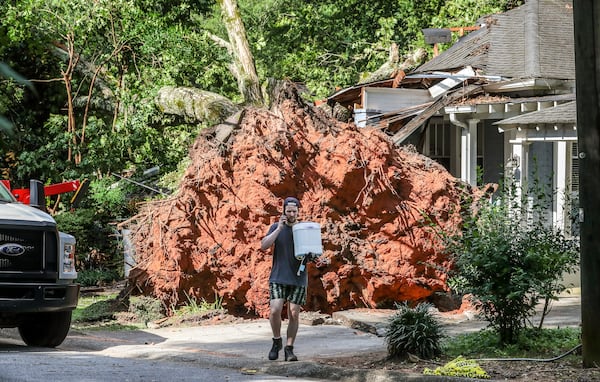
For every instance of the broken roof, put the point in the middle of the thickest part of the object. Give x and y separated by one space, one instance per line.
470 50
534 40
527 51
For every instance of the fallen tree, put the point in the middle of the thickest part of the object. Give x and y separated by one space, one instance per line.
369 196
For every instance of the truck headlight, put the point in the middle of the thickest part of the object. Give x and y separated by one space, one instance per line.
67 257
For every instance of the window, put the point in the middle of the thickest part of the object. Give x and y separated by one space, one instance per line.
439 141
574 167
572 202
480 141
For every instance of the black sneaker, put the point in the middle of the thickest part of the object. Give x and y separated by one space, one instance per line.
277 345
289 354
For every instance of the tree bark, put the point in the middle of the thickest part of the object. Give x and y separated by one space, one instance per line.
195 105
244 67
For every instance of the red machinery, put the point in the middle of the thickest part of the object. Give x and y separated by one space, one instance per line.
22 194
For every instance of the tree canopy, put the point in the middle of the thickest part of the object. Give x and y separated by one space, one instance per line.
98 66
106 89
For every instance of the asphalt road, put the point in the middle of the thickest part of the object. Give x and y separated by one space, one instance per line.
19 363
229 352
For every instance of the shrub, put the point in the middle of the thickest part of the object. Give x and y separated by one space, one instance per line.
97 277
509 256
415 331
97 246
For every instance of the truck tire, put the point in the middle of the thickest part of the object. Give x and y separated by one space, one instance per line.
45 329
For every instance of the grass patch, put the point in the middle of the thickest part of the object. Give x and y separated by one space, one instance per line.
107 325
106 312
99 312
93 308
532 343
193 307
146 309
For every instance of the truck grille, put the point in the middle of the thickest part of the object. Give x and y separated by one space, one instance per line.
28 251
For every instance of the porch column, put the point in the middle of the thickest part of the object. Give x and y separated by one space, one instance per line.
518 154
468 152
473 151
560 179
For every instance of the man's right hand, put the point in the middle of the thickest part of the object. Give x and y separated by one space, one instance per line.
268 240
282 221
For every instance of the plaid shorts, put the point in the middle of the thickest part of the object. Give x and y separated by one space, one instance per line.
292 293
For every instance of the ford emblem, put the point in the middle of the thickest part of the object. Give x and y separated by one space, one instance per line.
12 249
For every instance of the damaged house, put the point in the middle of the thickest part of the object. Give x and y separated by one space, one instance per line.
499 102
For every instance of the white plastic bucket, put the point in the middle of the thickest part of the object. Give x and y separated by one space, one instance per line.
307 239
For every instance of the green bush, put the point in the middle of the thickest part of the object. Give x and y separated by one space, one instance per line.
97 277
509 256
415 331
97 246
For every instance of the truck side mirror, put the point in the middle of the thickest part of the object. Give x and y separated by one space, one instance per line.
37 198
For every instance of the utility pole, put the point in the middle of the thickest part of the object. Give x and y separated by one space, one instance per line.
586 15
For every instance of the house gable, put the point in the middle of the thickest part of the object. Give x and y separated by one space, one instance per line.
534 40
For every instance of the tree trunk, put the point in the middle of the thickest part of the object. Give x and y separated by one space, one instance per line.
244 68
194 104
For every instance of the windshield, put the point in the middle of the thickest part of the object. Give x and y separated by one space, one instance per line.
5 195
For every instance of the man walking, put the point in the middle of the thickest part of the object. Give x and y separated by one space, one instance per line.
284 282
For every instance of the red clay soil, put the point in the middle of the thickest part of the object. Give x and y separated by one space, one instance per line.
368 195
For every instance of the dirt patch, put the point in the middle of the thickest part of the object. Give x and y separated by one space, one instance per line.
568 369
208 317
